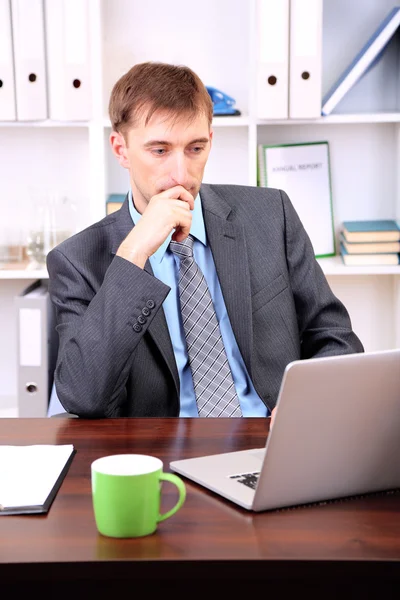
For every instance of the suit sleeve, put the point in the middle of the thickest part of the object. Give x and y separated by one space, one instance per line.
99 332
324 323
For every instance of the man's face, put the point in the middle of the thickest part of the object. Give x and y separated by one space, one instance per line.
164 153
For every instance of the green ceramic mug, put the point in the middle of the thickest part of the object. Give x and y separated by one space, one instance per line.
126 492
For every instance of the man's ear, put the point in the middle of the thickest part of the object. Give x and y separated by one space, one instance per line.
119 148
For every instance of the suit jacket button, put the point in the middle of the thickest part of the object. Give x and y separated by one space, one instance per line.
150 304
137 327
141 319
145 311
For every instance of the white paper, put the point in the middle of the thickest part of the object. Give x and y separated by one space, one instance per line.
29 473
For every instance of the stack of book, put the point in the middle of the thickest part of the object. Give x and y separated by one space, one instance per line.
369 243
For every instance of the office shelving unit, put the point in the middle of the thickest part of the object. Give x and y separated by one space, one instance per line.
217 39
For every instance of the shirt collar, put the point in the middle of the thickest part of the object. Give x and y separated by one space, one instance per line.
197 230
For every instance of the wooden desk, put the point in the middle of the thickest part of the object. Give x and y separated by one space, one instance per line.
349 546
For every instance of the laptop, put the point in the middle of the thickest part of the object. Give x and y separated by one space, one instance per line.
336 434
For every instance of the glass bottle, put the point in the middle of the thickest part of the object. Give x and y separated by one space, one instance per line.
53 219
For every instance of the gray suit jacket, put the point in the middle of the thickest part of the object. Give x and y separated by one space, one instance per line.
278 300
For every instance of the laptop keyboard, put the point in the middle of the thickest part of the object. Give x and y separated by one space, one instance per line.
249 479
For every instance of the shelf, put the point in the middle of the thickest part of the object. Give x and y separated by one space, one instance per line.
22 272
232 121
334 266
47 123
226 121
337 119
330 266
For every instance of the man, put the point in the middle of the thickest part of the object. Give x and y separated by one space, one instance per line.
153 321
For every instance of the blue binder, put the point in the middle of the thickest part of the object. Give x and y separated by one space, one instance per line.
364 61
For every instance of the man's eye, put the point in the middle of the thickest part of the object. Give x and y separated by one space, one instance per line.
158 151
197 149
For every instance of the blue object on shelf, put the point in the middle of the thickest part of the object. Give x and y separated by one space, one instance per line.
222 103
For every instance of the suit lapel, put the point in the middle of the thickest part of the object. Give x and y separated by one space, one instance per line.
160 334
158 329
228 246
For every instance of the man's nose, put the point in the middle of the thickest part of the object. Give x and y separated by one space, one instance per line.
179 170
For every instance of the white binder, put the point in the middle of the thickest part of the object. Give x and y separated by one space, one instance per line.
272 59
305 61
7 85
37 349
29 59
68 52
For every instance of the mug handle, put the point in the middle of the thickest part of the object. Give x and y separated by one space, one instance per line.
182 494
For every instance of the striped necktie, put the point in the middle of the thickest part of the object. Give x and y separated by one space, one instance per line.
212 379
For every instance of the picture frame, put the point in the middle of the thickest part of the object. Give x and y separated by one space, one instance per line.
303 171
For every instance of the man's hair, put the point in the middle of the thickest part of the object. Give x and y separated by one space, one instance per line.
152 86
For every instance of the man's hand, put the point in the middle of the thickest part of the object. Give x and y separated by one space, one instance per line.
166 212
273 413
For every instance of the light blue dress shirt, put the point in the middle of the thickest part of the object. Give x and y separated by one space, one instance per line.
165 266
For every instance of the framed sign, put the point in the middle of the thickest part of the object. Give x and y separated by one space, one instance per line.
303 172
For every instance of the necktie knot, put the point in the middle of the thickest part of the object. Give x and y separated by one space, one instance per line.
183 249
